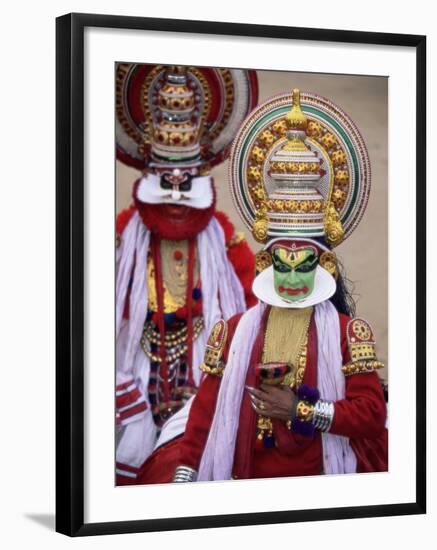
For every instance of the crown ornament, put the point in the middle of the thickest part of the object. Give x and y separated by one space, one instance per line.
299 167
296 121
176 123
334 231
295 165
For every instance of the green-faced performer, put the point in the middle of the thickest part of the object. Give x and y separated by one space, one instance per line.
295 279
291 386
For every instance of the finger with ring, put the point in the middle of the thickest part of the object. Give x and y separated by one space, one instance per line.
258 403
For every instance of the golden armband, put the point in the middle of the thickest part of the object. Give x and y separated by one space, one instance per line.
361 343
212 361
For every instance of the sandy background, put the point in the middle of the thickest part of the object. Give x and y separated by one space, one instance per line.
365 253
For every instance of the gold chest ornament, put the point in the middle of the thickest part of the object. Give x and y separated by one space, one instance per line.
285 340
174 261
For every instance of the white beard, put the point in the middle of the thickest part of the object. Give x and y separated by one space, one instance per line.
199 196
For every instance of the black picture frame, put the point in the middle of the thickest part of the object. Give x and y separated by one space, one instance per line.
70 272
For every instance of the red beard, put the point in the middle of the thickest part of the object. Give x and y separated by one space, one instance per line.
172 221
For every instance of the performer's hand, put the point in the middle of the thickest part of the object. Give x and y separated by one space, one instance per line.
272 401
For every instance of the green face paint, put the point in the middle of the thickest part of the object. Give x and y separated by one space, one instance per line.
294 272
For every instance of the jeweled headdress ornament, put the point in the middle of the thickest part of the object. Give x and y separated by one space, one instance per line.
174 115
299 168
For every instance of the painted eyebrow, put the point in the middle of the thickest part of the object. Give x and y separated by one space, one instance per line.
277 260
275 255
310 258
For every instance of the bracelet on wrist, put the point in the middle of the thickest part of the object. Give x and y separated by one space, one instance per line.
311 413
184 474
323 415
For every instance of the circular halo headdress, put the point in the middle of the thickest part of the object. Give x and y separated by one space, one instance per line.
170 115
299 167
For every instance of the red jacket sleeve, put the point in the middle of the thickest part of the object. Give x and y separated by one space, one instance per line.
202 411
199 422
123 218
362 413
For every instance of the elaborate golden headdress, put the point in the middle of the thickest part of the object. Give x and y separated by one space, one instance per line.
299 167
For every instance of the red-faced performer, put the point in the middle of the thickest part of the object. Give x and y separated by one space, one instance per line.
180 264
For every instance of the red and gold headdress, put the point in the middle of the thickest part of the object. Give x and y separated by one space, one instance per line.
171 116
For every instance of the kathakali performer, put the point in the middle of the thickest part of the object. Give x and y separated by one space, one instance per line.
291 387
180 264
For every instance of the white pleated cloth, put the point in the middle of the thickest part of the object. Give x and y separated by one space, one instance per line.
222 297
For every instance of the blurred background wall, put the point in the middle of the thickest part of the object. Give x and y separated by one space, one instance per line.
365 253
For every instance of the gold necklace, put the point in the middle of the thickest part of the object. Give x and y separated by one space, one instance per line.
174 261
175 348
285 340
286 335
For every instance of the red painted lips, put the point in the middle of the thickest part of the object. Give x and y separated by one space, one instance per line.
293 291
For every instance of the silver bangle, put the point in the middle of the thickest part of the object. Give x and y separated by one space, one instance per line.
323 415
184 474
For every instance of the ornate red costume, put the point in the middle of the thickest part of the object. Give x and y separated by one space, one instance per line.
291 386
360 416
180 263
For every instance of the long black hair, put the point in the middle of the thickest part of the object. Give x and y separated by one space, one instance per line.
343 298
